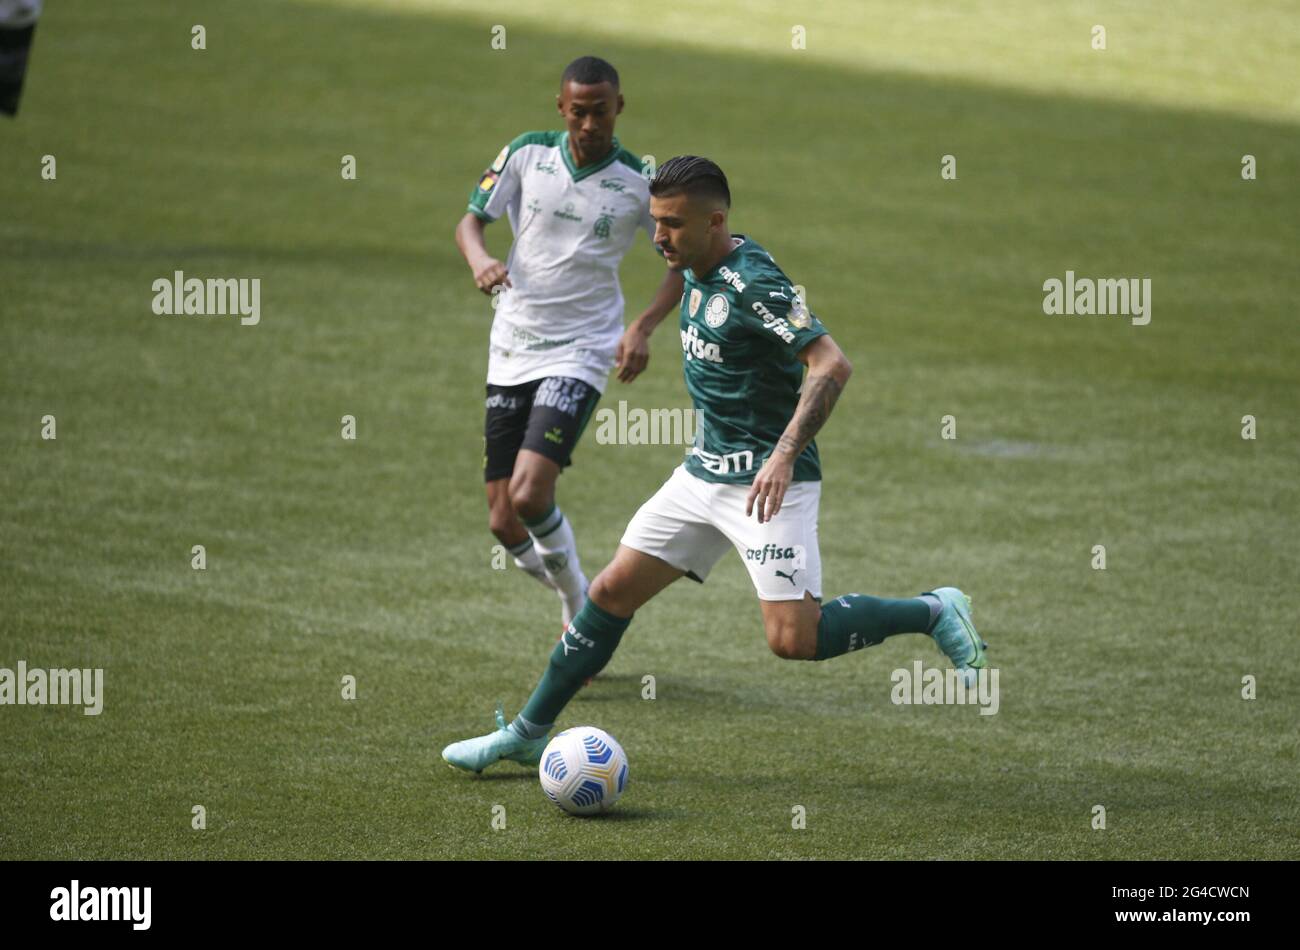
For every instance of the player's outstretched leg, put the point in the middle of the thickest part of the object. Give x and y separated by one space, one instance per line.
801 630
804 630
630 580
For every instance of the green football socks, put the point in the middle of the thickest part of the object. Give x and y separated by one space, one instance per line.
583 651
848 623
854 621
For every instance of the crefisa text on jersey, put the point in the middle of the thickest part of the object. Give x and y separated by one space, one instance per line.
732 278
696 348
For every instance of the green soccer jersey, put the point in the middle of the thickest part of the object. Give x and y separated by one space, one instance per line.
742 325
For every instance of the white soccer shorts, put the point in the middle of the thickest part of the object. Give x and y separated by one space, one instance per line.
690 523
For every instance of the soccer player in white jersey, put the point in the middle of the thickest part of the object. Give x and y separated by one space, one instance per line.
752 481
575 200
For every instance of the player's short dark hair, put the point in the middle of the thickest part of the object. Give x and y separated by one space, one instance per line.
695 176
589 71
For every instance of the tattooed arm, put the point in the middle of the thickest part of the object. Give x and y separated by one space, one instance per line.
828 370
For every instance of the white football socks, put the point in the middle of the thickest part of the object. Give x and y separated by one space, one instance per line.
553 540
528 560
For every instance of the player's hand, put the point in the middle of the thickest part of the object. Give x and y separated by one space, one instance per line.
492 274
633 353
769 487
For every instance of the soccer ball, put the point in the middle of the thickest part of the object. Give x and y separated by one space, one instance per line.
583 770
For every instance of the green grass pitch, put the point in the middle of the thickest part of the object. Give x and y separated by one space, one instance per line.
371 558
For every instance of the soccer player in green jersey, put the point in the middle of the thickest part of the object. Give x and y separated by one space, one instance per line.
752 480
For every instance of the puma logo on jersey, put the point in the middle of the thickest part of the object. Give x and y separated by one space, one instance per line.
790 576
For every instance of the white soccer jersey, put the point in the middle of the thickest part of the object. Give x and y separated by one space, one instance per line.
563 314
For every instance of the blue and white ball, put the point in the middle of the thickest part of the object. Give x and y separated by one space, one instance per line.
583 770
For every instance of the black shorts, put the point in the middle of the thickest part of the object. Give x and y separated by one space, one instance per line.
545 415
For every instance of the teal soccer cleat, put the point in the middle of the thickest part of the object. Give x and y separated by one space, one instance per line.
474 755
955 635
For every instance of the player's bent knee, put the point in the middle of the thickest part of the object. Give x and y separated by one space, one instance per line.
530 498
502 524
790 641
502 520
786 649
607 593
